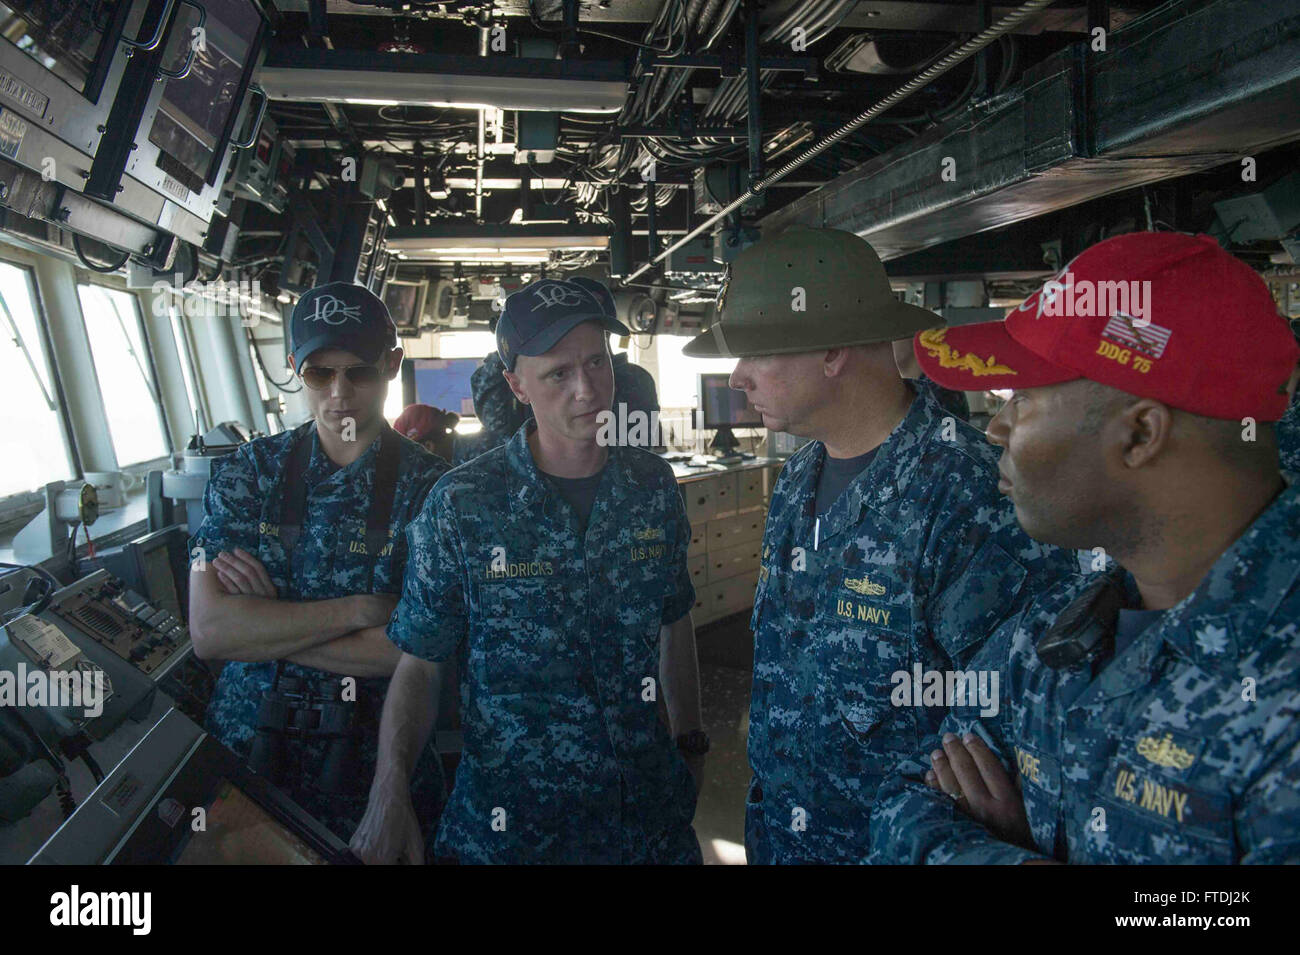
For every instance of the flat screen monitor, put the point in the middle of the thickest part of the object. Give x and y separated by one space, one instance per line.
156 566
405 301
445 383
723 407
73 39
159 579
194 120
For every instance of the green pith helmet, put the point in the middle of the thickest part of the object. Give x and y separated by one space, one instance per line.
846 299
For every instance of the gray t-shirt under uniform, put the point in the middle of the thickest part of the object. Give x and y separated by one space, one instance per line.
837 474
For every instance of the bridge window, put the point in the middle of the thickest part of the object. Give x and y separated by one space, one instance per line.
126 380
180 335
679 375
33 444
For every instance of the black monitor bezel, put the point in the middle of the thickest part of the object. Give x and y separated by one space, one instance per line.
245 81
705 423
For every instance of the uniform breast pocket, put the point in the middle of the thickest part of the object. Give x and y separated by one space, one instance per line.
521 642
350 571
1160 810
866 739
864 621
975 602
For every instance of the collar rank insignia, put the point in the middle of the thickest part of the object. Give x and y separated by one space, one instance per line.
863 585
1212 640
1164 752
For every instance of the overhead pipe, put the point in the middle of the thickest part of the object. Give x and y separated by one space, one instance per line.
483 33
918 82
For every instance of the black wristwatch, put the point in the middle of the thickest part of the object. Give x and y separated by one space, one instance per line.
694 743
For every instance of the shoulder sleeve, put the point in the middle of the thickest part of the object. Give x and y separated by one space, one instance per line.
1267 815
981 568
681 597
424 471
430 470
430 620
232 505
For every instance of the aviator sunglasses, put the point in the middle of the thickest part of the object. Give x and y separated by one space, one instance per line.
318 377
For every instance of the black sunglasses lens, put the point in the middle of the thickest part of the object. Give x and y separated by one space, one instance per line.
363 374
317 376
322 376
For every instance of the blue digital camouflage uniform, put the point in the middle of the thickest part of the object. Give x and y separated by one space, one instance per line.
565 759
1288 438
915 564
495 405
954 401
242 507
1185 748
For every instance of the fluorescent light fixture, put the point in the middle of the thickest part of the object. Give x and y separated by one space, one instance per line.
512 258
530 243
302 75
504 249
463 182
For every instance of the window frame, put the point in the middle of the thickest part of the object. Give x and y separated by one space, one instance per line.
154 385
26 503
186 356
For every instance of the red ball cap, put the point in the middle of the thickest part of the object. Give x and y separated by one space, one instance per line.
1156 314
418 422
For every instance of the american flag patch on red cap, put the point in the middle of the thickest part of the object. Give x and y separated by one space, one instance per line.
1148 338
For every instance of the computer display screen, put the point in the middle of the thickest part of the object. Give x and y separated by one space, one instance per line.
159 581
405 301
240 832
67 37
445 383
196 111
723 407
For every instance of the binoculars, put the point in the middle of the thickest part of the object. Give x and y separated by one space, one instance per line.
295 711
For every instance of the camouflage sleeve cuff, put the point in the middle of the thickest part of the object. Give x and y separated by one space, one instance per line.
432 638
984 850
679 605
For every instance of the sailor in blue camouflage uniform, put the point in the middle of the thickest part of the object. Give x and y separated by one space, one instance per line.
1148 712
887 552
560 581
315 610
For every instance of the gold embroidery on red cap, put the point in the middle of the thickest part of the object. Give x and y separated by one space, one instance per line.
932 341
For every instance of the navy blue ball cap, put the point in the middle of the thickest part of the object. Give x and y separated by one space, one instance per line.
341 315
542 312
